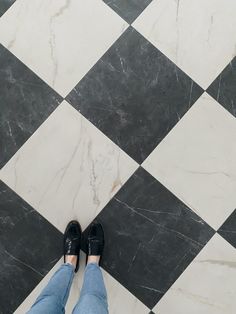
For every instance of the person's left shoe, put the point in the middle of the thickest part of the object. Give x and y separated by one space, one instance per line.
72 240
95 241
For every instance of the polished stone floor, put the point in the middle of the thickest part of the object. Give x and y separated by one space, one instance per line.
123 111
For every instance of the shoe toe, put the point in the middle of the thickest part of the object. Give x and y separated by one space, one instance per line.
73 229
96 230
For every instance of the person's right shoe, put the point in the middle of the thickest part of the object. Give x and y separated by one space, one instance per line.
72 240
95 240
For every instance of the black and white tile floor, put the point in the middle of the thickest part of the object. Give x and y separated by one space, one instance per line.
124 111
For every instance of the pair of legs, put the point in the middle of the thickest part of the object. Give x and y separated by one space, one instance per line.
93 296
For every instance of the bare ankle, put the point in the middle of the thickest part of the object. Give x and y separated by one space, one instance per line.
71 259
93 259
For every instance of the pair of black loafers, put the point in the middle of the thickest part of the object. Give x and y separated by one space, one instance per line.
94 242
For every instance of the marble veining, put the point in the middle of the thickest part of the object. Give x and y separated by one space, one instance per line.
120 300
207 285
138 91
228 229
198 36
160 237
72 166
206 164
103 115
23 263
26 101
223 88
59 52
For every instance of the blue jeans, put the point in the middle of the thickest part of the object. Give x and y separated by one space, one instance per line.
53 298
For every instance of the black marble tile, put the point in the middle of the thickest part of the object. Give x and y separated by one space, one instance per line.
129 10
228 229
134 94
150 237
5 5
223 88
29 248
25 102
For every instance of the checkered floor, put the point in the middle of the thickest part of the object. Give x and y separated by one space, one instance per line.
123 111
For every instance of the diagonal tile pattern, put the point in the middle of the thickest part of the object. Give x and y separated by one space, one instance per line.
160 238
89 91
128 88
223 88
26 101
5 5
228 229
74 169
55 53
199 36
200 287
23 264
120 300
206 164
128 10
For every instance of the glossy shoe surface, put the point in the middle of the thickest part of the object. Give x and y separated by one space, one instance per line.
95 244
72 241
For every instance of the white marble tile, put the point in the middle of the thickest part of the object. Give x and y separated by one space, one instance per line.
199 36
207 286
60 40
68 169
120 300
196 161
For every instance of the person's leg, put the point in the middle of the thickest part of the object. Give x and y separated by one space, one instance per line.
93 296
53 298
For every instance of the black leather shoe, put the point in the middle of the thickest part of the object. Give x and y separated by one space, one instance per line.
95 241
72 239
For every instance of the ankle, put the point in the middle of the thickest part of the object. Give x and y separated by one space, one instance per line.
93 259
71 259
